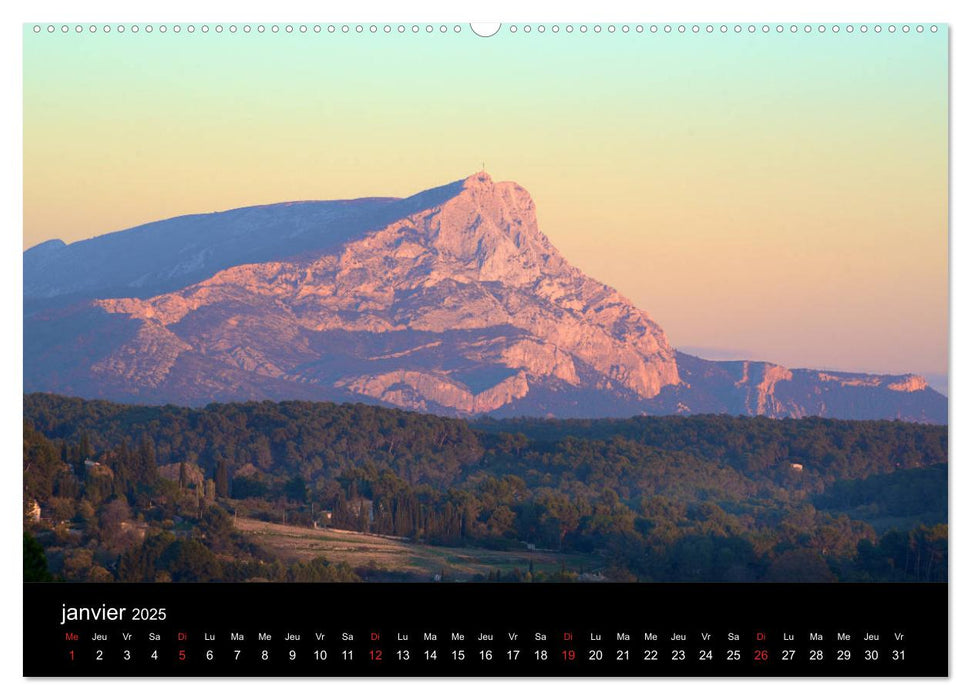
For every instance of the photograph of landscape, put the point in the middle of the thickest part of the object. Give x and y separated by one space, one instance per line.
409 306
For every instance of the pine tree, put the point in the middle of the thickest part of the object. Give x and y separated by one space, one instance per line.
35 561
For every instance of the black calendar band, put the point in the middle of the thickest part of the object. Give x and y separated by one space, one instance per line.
343 630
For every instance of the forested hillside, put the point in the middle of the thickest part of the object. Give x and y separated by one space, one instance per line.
148 492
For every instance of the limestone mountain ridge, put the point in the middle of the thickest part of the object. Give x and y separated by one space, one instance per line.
451 301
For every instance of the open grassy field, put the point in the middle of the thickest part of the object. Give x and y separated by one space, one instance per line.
392 555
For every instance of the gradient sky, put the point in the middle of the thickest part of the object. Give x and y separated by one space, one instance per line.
779 197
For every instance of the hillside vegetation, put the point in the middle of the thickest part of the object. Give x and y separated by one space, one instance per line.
149 493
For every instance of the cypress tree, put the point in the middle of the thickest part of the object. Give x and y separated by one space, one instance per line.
222 479
147 471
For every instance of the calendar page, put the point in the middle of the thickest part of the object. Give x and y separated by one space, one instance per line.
546 349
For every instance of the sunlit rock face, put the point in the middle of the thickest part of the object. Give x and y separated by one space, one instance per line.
451 301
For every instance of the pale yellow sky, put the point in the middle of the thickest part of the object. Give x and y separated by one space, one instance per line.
782 195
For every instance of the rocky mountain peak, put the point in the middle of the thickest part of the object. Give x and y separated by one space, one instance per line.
452 300
481 179
491 228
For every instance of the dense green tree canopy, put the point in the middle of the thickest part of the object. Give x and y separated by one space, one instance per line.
652 498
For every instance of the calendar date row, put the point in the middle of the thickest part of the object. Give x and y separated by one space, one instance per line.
378 655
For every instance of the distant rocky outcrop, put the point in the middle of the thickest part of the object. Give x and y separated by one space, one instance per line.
763 388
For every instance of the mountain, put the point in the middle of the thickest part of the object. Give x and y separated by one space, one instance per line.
763 388
165 256
451 301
